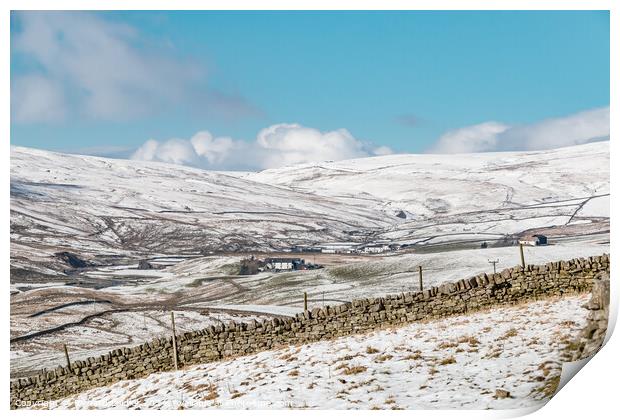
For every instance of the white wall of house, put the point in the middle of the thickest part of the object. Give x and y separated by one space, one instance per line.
283 265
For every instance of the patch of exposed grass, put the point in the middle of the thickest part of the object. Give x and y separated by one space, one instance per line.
509 333
549 387
447 361
447 345
231 269
413 356
371 350
355 272
236 394
354 370
469 339
383 358
342 366
347 357
211 393
494 353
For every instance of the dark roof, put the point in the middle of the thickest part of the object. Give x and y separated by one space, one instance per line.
533 236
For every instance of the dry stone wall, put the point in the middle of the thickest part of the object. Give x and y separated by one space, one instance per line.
510 286
593 334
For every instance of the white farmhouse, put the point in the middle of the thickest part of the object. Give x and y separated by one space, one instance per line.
533 240
375 248
339 247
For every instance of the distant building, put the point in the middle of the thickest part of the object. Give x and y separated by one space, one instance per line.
533 240
339 247
285 263
375 248
305 249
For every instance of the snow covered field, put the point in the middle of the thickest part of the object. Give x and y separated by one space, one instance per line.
502 358
201 292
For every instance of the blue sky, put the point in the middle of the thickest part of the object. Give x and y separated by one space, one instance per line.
406 81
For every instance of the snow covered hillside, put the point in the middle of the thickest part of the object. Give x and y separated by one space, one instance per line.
105 209
504 358
463 197
432 185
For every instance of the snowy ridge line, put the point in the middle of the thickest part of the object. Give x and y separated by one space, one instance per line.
511 286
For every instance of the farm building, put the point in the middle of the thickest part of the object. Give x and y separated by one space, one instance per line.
285 263
374 248
533 240
305 249
339 248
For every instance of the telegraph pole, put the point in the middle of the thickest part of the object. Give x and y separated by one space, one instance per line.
493 262
420 275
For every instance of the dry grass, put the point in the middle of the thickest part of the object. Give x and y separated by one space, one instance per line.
371 350
288 357
545 369
236 394
414 356
377 388
447 361
189 387
447 345
509 333
353 370
493 354
211 393
471 340
383 358
341 366
549 387
347 357
293 372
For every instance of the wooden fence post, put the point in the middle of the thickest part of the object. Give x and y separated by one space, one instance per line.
67 356
174 342
522 256
421 284
305 301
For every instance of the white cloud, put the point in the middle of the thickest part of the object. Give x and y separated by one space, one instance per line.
277 145
39 99
288 144
579 128
93 67
475 138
